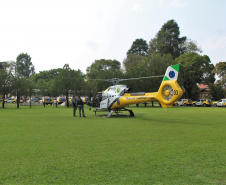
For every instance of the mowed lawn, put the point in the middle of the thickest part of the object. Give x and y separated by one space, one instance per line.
183 145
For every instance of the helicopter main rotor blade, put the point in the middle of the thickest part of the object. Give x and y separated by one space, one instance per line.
116 80
145 77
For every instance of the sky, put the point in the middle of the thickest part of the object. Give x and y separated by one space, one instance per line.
78 32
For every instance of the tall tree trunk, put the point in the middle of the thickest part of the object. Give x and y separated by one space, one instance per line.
67 100
18 101
30 96
3 103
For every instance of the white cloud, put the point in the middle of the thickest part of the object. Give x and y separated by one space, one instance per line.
160 2
214 44
172 3
178 3
137 7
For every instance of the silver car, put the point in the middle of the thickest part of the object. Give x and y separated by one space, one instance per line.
221 103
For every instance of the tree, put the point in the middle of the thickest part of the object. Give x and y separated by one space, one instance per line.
46 75
135 54
194 69
191 46
30 88
2 65
70 82
49 78
134 72
19 87
43 87
24 65
54 90
220 70
139 47
102 69
152 46
195 93
132 61
5 79
217 91
168 40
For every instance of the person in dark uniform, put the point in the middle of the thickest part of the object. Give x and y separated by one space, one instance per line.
80 106
74 104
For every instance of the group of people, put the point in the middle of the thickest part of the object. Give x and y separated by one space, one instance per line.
78 103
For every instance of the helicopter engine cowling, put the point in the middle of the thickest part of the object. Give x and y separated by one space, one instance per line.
169 92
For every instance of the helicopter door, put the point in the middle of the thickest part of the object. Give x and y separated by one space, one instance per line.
97 99
104 102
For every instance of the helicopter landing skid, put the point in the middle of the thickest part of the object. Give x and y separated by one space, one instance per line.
110 113
130 112
116 111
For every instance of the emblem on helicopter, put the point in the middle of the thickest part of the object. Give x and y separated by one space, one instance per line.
171 74
118 89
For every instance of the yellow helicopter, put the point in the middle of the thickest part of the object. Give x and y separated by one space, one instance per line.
117 97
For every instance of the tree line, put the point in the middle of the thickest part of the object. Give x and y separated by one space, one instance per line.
143 59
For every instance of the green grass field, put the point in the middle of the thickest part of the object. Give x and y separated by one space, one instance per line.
183 145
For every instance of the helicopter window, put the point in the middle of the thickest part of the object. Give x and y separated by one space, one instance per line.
122 93
127 90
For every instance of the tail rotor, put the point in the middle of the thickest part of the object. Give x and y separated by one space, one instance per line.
167 93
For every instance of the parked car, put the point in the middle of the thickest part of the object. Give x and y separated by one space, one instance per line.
214 103
9 100
86 99
47 101
203 102
220 103
60 100
70 99
34 99
15 100
184 102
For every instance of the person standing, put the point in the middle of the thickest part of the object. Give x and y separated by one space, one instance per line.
74 104
80 106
